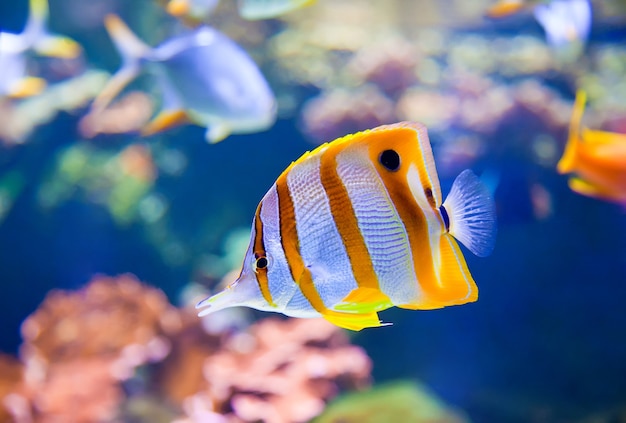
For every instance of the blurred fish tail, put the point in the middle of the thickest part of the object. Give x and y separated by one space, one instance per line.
37 16
38 37
469 214
132 50
568 162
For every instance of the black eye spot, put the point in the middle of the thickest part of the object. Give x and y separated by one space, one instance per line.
390 160
429 193
261 263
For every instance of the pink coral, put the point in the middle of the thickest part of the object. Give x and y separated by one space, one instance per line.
81 352
79 346
281 371
129 114
389 64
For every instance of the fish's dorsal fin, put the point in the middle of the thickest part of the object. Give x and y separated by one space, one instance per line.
471 212
568 161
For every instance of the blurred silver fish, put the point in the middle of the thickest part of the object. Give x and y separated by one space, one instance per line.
205 78
14 80
566 22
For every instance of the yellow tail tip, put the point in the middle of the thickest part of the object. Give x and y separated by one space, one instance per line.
504 8
177 7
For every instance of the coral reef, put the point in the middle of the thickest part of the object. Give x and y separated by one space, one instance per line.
118 350
341 112
280 371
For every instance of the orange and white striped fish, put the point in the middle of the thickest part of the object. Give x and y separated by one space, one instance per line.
357 226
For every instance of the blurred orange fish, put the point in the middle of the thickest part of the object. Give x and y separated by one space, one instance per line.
596 158
506 8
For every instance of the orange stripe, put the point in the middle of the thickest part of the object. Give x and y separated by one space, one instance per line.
346 221
259 250
403 140
289 240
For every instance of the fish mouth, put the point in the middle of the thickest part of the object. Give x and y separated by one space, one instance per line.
214 303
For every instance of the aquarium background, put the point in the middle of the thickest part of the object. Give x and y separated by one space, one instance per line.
82 200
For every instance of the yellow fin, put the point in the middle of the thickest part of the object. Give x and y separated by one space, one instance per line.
455 285
364 300
353 321
27 87
590 189
505 8
178 7
167 119
596 137
57 46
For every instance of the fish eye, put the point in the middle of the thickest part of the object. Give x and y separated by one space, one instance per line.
390 159
260 263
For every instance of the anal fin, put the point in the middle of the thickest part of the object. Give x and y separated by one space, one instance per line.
353 321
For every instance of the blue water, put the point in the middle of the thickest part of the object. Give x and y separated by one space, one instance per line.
547 330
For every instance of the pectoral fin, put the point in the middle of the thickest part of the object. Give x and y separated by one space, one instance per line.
217 132
364 300
167 119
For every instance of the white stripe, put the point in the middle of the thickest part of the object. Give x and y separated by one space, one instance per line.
435 228
321 245
383 232
282 286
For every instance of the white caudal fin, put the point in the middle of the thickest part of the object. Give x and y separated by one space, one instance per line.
132 50
471 211
35 27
